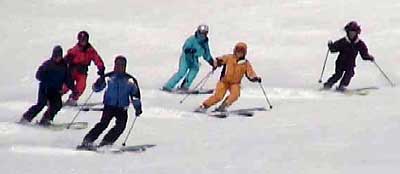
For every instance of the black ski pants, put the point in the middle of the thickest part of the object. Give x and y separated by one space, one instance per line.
341 71
109 112
49 97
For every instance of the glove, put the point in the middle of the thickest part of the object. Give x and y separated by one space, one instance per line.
99 85
256 79
330 43
371 58
214 65
100 72
138 112
190 50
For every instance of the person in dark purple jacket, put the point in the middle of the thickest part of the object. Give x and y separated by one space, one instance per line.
348 48
52 74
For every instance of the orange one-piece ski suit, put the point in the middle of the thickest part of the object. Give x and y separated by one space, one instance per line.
233 70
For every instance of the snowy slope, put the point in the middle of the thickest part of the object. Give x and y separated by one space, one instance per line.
307 131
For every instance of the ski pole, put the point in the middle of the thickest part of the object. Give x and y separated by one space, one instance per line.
129 132
265 94
323 68
384 74
79 111
198 84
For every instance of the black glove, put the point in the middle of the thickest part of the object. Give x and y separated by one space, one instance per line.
138 112
256 79
330 43
190 50
371 58
99 84
100 72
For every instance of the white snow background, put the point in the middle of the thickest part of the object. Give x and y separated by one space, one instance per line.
307 131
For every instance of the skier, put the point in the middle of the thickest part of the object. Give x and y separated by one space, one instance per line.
235 66
52 74
194 47
78 59
116 102
348 48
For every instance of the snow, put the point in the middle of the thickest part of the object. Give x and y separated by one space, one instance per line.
308 131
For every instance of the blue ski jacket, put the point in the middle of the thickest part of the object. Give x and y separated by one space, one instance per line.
120 88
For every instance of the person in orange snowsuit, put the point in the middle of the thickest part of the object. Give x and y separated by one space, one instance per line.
234 67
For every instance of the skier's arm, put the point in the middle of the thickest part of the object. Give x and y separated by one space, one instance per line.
40 73
68 80
334 46
135 97
251 74
68 57
99 85
364 52
221 60
207 55
98 62
188 47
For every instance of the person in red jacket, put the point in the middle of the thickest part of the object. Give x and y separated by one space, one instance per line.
78 59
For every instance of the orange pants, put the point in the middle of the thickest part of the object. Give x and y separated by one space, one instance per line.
220 91
80 85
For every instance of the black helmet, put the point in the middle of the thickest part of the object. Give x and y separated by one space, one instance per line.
120 59
202 29
57 52
352 26
83 35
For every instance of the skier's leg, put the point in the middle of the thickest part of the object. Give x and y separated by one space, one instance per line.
335 77
347 78
80 85
35 109
183 68
93 134
54 105
219 94
234 94
120 124
193 70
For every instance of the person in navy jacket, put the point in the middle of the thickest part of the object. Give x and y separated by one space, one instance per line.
52 74
348 48
122 89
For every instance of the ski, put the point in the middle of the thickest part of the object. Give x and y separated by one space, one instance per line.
355 91
58 126
190 91
86 109
247 112
359 91
117 150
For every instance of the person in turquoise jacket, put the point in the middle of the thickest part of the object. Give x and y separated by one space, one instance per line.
194 47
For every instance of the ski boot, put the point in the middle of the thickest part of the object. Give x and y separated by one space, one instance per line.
341 89
201 109
44 123
71 102
87 145
166 89
221 108
23 121
327 86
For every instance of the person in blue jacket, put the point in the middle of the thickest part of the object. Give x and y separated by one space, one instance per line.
194 47
52 74
121 88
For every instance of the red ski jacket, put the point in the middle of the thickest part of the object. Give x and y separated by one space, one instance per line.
79 59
